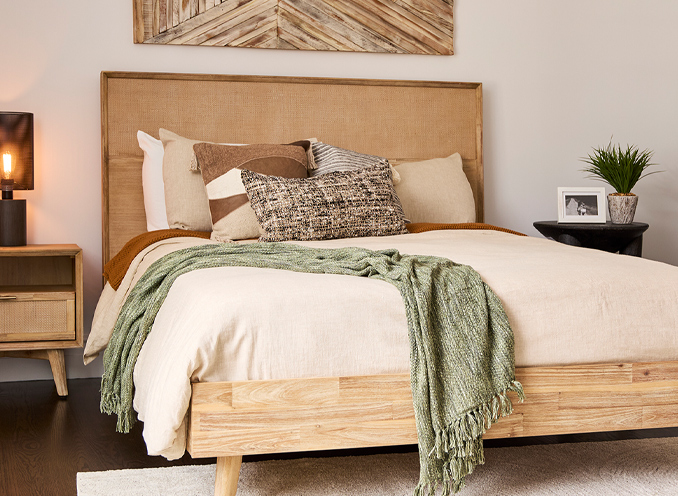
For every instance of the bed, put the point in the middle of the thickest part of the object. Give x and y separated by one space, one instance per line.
404 121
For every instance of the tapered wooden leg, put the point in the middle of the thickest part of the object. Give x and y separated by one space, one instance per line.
56 361
228 472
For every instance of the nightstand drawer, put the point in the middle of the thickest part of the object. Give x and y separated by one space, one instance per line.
37 316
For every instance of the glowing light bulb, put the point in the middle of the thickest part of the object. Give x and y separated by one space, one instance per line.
7 164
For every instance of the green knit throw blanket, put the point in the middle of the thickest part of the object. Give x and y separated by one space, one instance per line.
461 344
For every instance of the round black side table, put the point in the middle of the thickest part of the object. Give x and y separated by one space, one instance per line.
622 238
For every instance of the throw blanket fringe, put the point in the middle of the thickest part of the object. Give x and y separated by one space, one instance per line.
461 344
461 442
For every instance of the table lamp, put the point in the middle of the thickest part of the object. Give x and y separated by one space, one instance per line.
16 172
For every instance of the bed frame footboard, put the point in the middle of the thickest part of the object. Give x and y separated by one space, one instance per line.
231 419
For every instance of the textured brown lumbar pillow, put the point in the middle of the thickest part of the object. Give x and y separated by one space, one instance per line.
334 205
220 166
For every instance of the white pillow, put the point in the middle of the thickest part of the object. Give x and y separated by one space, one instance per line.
436 190
152 182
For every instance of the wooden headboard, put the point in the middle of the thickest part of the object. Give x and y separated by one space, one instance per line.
400 120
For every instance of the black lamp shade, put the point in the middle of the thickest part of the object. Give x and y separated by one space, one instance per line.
16 138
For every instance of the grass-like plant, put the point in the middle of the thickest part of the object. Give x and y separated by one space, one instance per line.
621 169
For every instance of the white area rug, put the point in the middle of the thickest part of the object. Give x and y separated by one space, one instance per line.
632 467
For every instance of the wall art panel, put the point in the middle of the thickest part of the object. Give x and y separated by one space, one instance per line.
395 26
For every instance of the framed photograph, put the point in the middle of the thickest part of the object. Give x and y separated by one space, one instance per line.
580 205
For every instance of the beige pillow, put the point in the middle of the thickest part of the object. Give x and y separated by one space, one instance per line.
231 213
436 190
185 196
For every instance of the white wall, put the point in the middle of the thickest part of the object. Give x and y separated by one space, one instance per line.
558 78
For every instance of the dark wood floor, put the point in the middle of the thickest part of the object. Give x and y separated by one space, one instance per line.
45 441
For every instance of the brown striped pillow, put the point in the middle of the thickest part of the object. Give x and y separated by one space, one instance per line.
343 204
220 166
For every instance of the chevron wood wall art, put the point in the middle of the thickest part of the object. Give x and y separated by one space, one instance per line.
393 26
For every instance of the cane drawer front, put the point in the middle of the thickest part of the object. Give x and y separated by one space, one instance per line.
30 315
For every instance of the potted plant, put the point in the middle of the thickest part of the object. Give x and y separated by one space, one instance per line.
621 169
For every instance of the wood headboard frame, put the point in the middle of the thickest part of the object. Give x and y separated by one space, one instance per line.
400 120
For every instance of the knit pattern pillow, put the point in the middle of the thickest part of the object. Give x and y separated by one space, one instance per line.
334 205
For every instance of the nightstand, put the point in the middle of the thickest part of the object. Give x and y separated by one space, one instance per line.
623 238
41 304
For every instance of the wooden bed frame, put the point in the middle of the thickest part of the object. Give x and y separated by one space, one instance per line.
402 120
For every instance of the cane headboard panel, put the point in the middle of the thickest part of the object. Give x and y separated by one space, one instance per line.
400 120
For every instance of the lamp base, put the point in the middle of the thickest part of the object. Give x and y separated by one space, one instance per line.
12 222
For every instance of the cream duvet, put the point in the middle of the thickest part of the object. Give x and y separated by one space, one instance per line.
566 305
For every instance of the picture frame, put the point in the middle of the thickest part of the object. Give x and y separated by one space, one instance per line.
581 205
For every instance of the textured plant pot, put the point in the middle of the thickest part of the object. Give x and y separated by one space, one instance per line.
622 208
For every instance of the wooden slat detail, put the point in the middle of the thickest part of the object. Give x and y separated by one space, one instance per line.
658 416
229 20
403 410
650 372
253 394
176 8
169 11
345 412
548 379
161 13
303 415
359 434
376 387
139 13
344 26
662 394
410 29
184 10
330 26
400 26
197 30
219 394
568 421
247 26
369 16
271 439
267 39
438 12
296 28
511 426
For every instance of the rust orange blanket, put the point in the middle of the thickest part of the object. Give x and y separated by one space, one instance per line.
420 227
116 268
